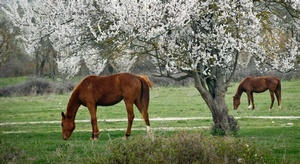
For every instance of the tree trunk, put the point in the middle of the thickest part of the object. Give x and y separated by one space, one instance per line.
214 97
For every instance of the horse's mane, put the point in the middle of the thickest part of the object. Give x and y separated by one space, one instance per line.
76 86
145 77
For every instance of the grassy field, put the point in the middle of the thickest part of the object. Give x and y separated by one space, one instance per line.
30 129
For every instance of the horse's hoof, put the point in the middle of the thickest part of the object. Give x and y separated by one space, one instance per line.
125 137
94 139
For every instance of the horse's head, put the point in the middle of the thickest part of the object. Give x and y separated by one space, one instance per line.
67 125
236 102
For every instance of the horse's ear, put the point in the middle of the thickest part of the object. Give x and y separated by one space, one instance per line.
63 115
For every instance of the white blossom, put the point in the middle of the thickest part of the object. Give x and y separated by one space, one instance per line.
123 62
93 60
68 66
180 34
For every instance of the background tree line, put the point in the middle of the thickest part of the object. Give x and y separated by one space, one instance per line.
16 62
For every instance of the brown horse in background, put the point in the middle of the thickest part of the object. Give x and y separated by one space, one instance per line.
252 85
95 91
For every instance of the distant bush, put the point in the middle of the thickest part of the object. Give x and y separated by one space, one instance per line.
182 147
36 87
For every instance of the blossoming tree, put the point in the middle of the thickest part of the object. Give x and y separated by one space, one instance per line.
203 40
184 38
63 24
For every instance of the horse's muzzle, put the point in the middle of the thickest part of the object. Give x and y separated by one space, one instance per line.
65 138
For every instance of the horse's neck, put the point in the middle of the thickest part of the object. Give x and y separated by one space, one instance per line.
239 91
72 107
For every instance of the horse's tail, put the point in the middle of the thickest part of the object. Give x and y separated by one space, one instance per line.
149 82
278 93
144 97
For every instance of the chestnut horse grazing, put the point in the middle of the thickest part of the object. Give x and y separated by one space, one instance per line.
257 85
95 91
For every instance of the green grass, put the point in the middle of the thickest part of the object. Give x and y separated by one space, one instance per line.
5 82
41 142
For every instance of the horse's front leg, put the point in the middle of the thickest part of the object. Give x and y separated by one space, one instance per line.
95 132
252 101
249 100
130 116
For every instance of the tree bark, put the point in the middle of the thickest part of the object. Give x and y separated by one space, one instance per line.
213 90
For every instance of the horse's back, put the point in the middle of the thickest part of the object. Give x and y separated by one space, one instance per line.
109 90
109 81
254 79
113 82
268 80
260 83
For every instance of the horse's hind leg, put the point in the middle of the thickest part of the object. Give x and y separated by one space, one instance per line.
272 99
144 111
278 96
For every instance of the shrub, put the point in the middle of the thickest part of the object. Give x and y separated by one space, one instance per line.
36 87
181 147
